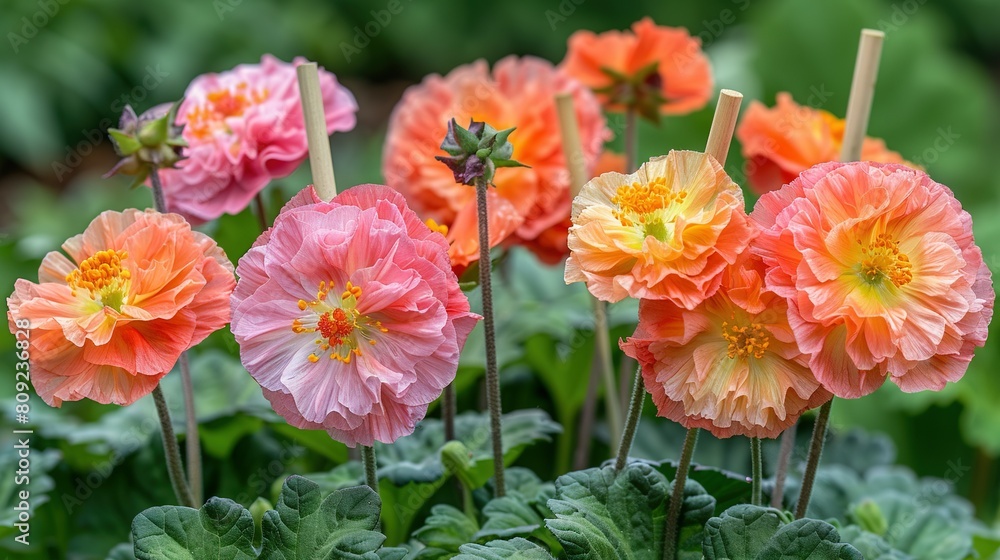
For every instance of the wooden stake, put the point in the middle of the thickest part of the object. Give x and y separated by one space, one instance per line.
859 105
572 146
320 160
723 125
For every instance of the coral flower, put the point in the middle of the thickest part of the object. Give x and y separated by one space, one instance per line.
349 316
653 69
666 231
518 93
730 365
244 128
781 142
882 275
138 289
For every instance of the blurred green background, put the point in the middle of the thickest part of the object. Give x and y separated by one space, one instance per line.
69 65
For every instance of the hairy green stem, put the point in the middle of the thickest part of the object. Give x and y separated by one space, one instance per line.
672 530
812 462
261 212
632 422
492 376
175 468
602 348
448 409
784 458
371 468
757 461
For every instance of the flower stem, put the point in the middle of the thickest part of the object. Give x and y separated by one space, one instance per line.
448 411
159 201
677 495
261 212
175 469
192 440
492 376
631 142
634 411
602 347
371 469
784 458
756 497
812 462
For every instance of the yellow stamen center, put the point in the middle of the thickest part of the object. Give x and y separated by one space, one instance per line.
882 259
103 276
746 341
440 228
339 326
641 204
210 116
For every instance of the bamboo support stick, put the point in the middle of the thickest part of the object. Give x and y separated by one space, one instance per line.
320 160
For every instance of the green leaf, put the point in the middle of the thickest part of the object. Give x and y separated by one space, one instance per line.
121 551
221 528
741 532
39 484
746 532
446 529
728 488
808 539
514 549
601 514
305 526
871 546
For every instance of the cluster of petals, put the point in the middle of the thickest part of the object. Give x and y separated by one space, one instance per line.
666 59
349 316
530 203
881 272
137 289
730 365
665 232
785 140
244 127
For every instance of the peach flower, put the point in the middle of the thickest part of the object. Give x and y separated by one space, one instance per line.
882 275
244 128
349 316
138 289
730 365
518 93
666 231
653 69
781 142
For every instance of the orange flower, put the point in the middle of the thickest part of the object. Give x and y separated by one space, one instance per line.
882 274
731 364
666 231
141 288
781 142
654 69
520 93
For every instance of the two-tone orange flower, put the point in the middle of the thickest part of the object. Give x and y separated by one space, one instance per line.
653 70
138 289
882 275
665 232
532 202
785 140
731 364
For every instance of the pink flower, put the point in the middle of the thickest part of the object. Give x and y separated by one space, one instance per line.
245 128
730 365
519 93
349 316
881 272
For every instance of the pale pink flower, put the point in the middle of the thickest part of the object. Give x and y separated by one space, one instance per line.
244 128
349 316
